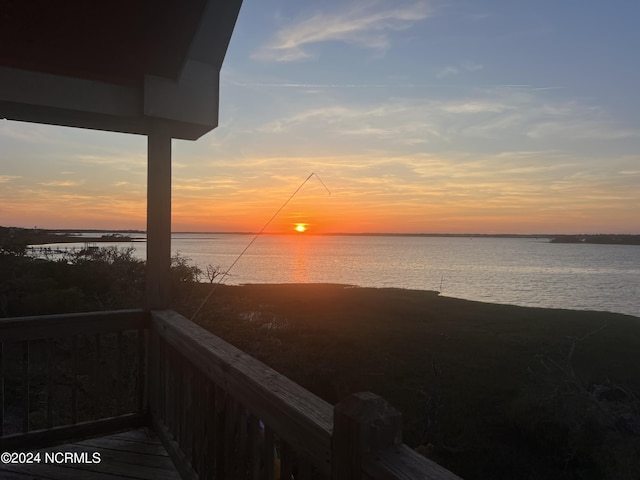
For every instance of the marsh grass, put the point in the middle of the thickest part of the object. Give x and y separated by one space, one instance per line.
467 376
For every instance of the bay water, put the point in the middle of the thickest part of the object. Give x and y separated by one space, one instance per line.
521 271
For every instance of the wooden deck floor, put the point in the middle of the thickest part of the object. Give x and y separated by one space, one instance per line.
129 455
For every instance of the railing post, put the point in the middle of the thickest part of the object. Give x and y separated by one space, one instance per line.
363 424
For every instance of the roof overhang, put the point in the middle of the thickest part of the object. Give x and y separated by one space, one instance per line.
125 65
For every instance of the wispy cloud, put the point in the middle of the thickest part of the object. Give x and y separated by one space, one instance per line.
582 129
516 118
129 161
7 178
458 69
475 106
26 132
206 185
543 186
62 183
366 25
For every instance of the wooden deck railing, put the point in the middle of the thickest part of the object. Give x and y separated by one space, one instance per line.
224 414
251 411
220 413
71 376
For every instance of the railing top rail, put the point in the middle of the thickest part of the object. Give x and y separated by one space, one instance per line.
299 417
60 325
403 463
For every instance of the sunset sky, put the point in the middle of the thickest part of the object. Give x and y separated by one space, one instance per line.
419 116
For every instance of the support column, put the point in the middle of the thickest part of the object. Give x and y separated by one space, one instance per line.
158 295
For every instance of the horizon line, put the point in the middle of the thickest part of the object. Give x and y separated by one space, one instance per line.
405 234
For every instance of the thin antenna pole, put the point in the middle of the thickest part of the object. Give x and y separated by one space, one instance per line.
226 273
323 184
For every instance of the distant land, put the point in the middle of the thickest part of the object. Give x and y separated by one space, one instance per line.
35 236
608 239
597 238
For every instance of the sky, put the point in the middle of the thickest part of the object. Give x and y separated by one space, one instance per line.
419 116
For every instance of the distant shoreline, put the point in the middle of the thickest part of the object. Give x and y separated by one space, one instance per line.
600 239
14 236
43 236
608 239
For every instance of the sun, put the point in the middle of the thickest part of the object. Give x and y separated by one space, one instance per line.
300 227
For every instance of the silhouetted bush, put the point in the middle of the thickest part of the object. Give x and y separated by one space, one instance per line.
105 278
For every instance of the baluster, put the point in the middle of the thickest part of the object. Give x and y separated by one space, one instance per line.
186 412
269 450
203 418
140 384
254 447
241 442
74 379
211 418
96 376
197 420
305 469
229 434
119 341
177 397
221 413
177 390
192 416
202 424
182 397
286 461
188 415
153 371
171 387
1 389
50 382
25 379
162 384
175 394
168 387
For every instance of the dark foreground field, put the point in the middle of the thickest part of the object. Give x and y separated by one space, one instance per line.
489 391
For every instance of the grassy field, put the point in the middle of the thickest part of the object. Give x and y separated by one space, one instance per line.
489 391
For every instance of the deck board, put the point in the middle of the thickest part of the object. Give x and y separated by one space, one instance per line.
131 455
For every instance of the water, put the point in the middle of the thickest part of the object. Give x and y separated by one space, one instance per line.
519 271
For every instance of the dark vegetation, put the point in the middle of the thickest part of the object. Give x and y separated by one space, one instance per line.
83 280
603 239
15 240
488 391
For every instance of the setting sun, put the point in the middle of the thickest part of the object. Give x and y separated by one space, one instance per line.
300 227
